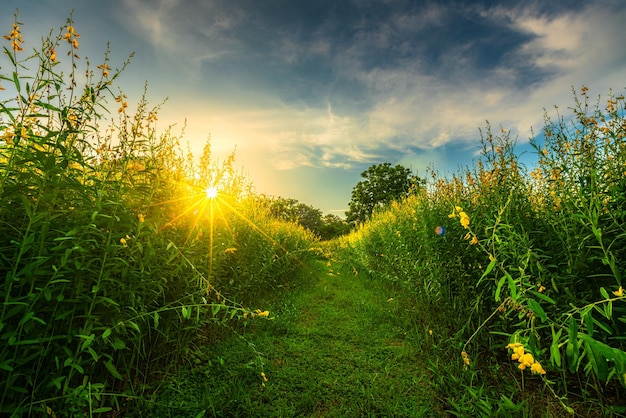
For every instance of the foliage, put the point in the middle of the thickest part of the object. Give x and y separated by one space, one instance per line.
291 210
110 245
382 184
502 257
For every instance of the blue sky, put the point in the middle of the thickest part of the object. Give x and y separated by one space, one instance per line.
311 93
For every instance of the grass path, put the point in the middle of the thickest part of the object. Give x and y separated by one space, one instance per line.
337 348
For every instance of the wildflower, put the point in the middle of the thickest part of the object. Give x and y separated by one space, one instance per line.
390 300
70 36
259 313
541 288
466 359
526 360
518 352
16 38
537 369
142 219
105 70
619 292
52 54
124 242
440 230
263 377
430 332
465 221
123 107
230 250
474 240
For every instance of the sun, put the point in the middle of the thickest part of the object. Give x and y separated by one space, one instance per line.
211 192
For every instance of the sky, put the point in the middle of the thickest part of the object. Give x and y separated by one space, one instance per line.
309 94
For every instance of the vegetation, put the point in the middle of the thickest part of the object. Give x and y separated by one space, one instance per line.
520 274
325 227
381 185
139 282
114 244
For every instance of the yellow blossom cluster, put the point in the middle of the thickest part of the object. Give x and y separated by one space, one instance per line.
525 359
71 36
15 37
124 241
259 313
465 357
463 217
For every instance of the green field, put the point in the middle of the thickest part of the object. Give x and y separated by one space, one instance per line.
141 281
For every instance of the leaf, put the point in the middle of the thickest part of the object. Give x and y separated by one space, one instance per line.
106 333
537 309
512 286
555 353
604 293
490 267
499 288
111 368
571 349
542 297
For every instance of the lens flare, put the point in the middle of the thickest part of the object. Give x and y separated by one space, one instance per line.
211 192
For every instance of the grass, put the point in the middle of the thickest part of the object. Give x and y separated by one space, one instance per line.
336 348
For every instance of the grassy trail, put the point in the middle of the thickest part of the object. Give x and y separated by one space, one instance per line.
337 348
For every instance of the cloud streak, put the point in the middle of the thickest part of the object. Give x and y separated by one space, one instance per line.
342 85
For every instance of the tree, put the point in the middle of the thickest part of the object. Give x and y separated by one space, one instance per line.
382 184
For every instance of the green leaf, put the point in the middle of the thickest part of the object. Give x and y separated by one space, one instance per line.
555 353
537 309
111 368
499 288
512 286
571 349
542 297
604 293
106 333
490 267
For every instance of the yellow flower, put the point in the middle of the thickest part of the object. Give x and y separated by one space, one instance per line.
465 221
537 369
474 240
619 292
124 242
513 346
263 377
16 38
230 250
458 209
53 55
466 359
518 352
541 288
527 359
142 219
430 332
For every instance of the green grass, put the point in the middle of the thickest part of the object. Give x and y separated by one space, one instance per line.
337 348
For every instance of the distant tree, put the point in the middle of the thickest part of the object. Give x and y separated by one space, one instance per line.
332 227
291 210
382 184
